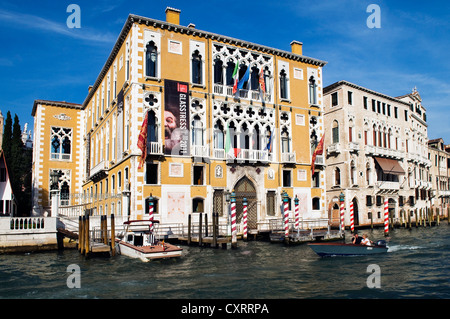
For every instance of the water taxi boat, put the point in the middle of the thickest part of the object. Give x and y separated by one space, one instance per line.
139 241
340 249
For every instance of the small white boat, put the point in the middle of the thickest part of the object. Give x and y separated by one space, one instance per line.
138 241
339 249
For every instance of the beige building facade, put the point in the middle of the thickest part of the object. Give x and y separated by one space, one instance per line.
376 150
439 173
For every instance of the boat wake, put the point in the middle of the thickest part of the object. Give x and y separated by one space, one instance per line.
403 247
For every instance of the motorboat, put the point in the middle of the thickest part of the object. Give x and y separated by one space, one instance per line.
139 241
342 249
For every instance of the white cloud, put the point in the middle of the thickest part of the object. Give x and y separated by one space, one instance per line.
38 23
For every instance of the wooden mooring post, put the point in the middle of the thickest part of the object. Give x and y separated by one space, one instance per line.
101 245
113 236
200 230
81 234
214 222
86 235
409 220
189 229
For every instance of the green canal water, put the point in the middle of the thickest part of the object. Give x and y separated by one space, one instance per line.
416 266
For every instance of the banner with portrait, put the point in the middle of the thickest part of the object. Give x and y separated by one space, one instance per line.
176 118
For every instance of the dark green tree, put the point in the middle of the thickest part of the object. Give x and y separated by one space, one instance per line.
19 161
7 136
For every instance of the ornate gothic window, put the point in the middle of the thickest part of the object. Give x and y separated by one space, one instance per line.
254 78
218 135
229 73
61 143
218 71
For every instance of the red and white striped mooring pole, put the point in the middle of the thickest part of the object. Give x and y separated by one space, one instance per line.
150 212
352 224
244 215
286 216
297 215
386 217
233 220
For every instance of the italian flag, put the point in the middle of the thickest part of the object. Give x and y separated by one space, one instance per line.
236 77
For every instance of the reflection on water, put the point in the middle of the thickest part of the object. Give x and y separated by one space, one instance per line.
414 267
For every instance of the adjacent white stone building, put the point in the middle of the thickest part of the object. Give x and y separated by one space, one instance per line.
376 149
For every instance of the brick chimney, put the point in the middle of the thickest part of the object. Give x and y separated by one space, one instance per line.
173 15
296 47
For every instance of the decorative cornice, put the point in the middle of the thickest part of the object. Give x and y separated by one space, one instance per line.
55 103
194 32
335 85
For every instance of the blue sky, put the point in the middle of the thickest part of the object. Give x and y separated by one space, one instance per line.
41 58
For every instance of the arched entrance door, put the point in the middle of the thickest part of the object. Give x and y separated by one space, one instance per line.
245 188
355 212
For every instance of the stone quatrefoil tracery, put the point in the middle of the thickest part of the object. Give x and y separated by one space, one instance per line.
243 116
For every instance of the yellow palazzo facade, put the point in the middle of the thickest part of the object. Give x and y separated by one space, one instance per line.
203 140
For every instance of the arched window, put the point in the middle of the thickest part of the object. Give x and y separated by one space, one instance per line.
283 85
196 67
218 71
254 79
56 146
151 59
245 137
256 138
267 79
242 69
312 91
335 132
368 174
374 142
65 194
197 131
389 138
337 176
218 135
353 178
233 135
313 140
380 137
152 129
350 131
229 72
285 141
